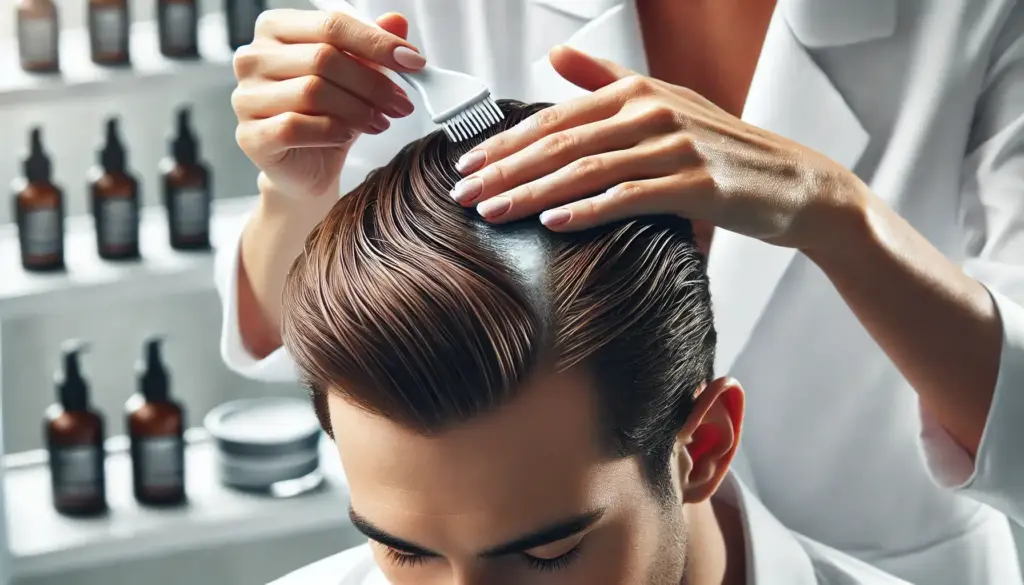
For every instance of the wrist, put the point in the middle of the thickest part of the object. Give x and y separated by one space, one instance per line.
847 226
281 207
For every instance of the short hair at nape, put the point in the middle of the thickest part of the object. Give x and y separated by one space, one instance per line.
418 310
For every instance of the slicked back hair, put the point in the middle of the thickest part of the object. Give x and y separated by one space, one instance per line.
418 310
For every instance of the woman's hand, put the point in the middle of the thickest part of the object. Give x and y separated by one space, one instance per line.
308 86
637 146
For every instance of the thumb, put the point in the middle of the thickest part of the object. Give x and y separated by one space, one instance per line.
585 71
394 23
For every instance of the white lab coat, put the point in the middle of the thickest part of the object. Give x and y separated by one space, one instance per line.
924 100
775 555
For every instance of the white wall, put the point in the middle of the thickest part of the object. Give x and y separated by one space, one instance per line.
73 131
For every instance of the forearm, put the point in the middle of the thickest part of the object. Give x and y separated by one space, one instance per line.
939 326
271 241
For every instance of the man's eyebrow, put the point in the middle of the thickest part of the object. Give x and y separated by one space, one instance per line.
376 534
551 533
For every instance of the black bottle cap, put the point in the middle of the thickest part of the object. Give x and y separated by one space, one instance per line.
153 378
72 389
113 156
185 146
37 165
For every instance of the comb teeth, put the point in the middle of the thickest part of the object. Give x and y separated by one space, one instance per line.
473 120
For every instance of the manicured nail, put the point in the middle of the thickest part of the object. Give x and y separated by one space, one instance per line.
494 207
470 162
380 122
403 106
555 217
467 190
408 58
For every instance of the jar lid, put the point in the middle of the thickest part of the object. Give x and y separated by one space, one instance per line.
264 427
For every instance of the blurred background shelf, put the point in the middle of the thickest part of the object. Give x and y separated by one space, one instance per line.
90 281
42 542
149 70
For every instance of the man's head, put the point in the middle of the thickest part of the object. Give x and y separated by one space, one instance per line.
511 405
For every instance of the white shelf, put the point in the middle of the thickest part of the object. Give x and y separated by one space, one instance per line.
42 542
80 77
91 281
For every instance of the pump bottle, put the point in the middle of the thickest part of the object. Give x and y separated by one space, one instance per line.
156 426
39 212
74 438
115 201
187 197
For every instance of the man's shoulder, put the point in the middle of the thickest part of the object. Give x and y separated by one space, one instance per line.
354 566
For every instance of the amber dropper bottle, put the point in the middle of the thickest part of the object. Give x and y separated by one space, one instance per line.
187 196
156 426
74 439
115 200
38 36
39 212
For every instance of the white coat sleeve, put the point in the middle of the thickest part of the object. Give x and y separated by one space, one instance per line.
992 214
480 41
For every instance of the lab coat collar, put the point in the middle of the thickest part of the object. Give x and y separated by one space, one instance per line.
773 554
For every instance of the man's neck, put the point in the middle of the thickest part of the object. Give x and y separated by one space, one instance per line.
717 546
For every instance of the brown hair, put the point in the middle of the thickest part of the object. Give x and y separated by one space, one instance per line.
420 311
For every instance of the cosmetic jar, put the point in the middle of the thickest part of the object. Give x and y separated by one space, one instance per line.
266 443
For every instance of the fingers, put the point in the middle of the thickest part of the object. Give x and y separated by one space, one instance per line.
279 62
585 176
549 154
310 95
265 139
344 32
585 71
630 199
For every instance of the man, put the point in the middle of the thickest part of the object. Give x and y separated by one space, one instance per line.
513 405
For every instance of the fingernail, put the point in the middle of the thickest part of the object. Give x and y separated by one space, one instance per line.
555 217
494 207
471 161
467 190
380 122
408 58
403 107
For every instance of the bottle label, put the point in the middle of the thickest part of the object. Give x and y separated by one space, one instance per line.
191 213
161 463
77 472
118 224
43 232
110 28
180 27
37 41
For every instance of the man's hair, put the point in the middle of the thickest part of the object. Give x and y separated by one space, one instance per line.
418 310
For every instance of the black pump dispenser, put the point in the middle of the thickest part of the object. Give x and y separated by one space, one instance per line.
184 146
37 165
153 378
112 156
72 389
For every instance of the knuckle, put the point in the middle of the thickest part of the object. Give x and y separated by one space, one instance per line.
287 130
243 137
586 166
323 58
558 144
238 99
245 62
682 144
636 85
660 115
309 93
335 25
621 191
547 118
265 23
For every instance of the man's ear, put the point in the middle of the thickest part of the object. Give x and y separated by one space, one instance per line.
707 442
